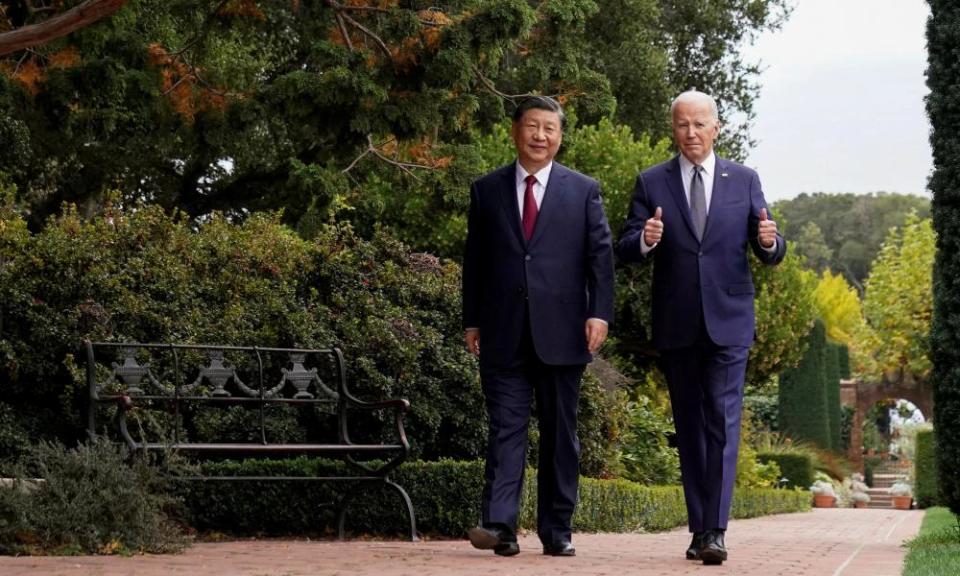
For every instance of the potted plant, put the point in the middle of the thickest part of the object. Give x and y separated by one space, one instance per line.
824 495
901 494
858 491
860 499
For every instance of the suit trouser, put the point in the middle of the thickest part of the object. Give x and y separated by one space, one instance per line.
509 392
706 394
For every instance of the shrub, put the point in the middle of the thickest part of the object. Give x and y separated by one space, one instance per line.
446 498
804 401
796 468
90 499
925 469
142 275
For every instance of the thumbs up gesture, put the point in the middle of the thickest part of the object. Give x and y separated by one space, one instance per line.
768 230
653 228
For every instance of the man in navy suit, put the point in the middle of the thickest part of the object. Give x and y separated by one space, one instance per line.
537 301
697 216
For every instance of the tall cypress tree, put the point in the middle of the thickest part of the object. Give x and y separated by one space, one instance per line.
831 387
943 106
804 413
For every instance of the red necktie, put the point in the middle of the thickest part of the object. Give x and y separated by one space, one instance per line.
529 208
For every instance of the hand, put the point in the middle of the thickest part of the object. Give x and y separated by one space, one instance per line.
768 230
596 334
653 228
472 339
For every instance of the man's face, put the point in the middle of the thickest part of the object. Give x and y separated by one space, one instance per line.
694 129
537 136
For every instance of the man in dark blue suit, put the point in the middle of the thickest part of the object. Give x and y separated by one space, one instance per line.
538 295
697 216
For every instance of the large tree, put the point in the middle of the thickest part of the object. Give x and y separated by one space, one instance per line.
851 227
898 305
943 106
240 105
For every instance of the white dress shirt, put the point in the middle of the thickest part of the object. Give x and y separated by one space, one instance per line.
539 188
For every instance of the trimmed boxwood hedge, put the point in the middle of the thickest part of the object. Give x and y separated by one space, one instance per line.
446 497
925 470
796 468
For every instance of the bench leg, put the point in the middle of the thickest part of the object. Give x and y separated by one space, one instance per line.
345 503
406 500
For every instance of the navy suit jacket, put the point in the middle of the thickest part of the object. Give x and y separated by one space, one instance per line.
563 276
687 273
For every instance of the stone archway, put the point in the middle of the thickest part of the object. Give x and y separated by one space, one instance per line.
862 395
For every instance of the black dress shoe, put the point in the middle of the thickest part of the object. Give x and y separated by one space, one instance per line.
502 541
696 544
713 551
564 548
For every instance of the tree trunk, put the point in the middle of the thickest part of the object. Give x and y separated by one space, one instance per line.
58 26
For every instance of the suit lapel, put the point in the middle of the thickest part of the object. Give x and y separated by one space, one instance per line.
675 183
551 200
508 200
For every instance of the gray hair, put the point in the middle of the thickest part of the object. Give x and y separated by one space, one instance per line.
693 95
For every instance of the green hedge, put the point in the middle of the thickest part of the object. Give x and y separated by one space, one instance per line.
804 400
925 470
446 498
143 275
796 468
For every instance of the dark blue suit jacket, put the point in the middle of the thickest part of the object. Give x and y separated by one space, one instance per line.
687 273
564 274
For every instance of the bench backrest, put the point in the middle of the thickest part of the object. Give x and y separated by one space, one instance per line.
179 384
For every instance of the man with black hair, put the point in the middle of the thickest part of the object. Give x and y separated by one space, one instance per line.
538 296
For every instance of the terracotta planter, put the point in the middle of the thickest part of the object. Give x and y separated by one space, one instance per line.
902 502
824 501
859 504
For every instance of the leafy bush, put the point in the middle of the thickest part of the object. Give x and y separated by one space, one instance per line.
925 469
796 468
89 499
142 275
446 498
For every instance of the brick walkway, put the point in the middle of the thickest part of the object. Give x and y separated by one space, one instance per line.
824 542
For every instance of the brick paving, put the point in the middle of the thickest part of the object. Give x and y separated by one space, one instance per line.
823 542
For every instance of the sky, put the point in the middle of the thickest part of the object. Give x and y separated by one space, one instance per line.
841 106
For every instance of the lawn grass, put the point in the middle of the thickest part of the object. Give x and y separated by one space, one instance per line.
936 549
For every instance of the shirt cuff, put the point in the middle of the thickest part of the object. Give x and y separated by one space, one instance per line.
644 247
600 319
771 249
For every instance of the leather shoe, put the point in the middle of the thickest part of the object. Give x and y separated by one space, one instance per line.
696 544
563 548
713 551
502 541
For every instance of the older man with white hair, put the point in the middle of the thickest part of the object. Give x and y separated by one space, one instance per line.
695 216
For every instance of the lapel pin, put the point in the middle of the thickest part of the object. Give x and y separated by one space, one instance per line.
723 174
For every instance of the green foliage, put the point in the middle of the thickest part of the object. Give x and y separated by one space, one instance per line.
796 468
943 108
140 275
646 456
91 499
446 497
831 374
785 312
804 402
843 232
926 492
897 304
936 549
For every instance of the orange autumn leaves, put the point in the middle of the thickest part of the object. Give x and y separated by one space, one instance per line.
32 72
182 84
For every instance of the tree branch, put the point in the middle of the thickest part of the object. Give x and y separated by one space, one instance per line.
58 26
372 149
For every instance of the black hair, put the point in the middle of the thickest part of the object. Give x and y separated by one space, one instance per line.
540 103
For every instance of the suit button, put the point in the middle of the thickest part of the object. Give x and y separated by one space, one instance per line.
699 253
528 257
